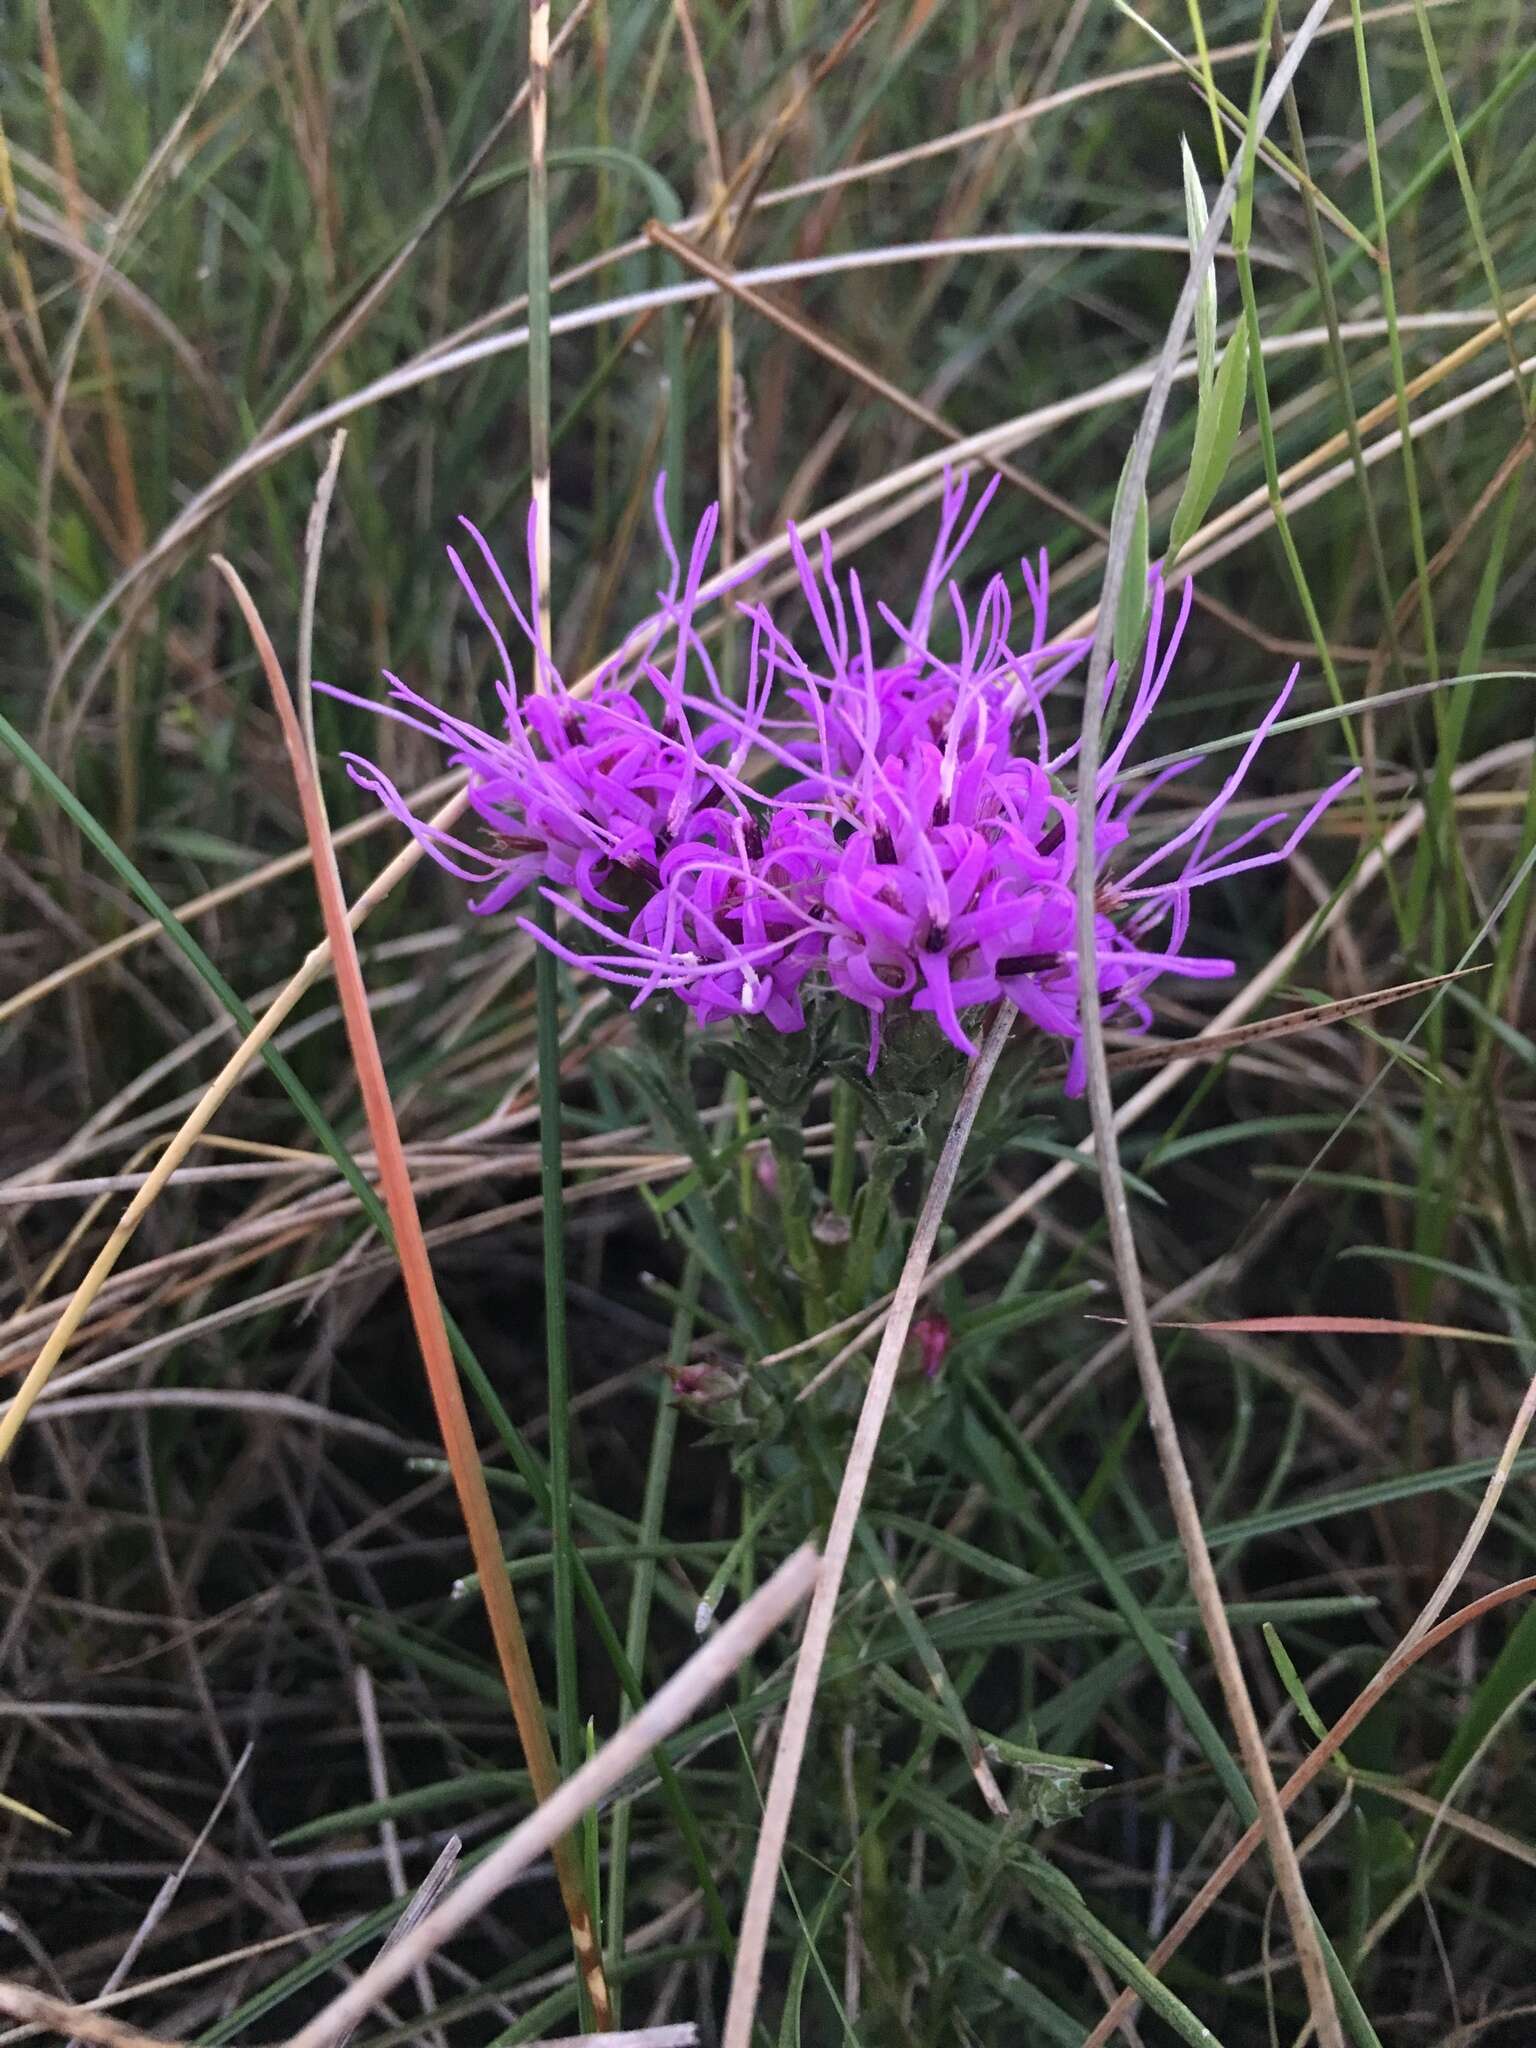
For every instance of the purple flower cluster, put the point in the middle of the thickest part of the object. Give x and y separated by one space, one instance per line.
899 833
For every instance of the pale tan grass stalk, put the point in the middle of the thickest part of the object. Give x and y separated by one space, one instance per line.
242 19
538 203
1186 1512
725 319
644 305
171 1980
59 2016
314 545
389 1833
426 1311
212 1100
900 160
757 1914
1315 1762
264 1407
1444 1815
671 2034
663 1713
26 291
1514 753
266 451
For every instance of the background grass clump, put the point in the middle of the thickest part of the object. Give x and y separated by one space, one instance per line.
239 1663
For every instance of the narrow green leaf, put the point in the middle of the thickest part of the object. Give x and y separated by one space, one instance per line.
1197 214
1513 1674
1290 1678
1146 1631
1131 611
471 1790
1216 432
1068 1906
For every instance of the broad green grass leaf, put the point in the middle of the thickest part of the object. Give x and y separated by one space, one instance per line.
1216 432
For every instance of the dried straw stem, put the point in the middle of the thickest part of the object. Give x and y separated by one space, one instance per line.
426 1309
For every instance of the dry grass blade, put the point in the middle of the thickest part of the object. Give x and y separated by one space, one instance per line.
425 1897
1215 1045
426 1310
757 1914
214 1096
665 1712
675 2034
1513 754
58 2016
854 366
1327 1326
1419 1639
1186 1510
1316 1762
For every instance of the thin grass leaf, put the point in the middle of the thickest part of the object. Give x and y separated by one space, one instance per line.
1217 427
1196 214
1132 606
1290 1678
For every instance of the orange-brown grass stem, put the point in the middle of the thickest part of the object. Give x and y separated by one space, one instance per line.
1316 1761
426 1310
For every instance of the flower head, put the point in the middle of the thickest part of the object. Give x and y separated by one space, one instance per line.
899 834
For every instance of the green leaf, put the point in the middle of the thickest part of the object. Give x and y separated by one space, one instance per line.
204 846
477 1786
1216 432
1131 609
1197 215
1513 1675
1290 1678
1146 1631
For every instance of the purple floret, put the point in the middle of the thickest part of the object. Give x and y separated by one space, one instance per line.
899 835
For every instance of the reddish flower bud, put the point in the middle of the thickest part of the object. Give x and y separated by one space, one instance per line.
932 1334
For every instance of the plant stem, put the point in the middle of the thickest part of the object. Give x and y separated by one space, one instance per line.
592 1991
427 1313
557 1355
796 1191
642 1590
845 1141
874 1208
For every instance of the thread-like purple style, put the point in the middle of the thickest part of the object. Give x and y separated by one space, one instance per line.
898 833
